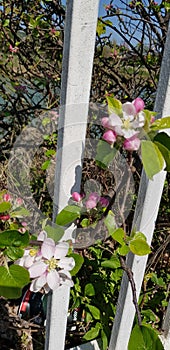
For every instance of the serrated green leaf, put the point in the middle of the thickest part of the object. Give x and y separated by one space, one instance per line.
12 280
55 232
144 338
119 236
114 106
5 206
69 214
89 290
139 247
152 158
79 260
159 124
94 311
110 222
105 154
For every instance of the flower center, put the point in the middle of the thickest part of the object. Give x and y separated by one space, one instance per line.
52 264
126 124
32 252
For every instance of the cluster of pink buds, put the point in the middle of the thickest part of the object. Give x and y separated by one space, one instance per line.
93 200
127 126
13 49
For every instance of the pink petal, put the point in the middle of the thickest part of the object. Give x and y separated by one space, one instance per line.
61 250
91 203
114 120
109 136
76 196
66 263
139 104
53 279
37 269
48 248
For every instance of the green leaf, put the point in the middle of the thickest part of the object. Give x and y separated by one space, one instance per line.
55 232
166 154
139 247
105 154
14 253
46 164
5 206
20 212
119 236
123 250
101 28
144 338
104 340
152 158
89 290
92 333
94 311
114 106
110 222
163 123
14 238
112 263
139 235
12 280
79 260
85 222
69 214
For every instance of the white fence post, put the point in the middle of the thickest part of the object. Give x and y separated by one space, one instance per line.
146 211
79 43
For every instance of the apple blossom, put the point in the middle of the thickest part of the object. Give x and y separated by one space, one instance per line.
132 144
104 201
109 136
48 266
76 196
139 104
7 197
92 200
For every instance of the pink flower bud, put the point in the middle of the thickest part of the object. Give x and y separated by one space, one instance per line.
105 122
7 197
13 49
139 104
104 201
19 201
22 229
76 196
132 144
90 204
5 217
152 119
109 136
94 196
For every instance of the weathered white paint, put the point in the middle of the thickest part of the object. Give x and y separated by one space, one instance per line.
80 33
93 345
149 197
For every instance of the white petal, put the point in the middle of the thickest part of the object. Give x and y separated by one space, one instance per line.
38 283
42 236
114 120
48 248
37 269
129 109
53 279
129 133
61 250
66 263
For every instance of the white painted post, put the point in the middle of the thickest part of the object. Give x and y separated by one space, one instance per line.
79 43
149 197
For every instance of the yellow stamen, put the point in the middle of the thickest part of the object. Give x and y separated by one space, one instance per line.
52 264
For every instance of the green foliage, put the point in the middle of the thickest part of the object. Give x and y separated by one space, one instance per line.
152 158
12 280
105 154
68 215
144 338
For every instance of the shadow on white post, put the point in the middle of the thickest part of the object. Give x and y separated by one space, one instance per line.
79 43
